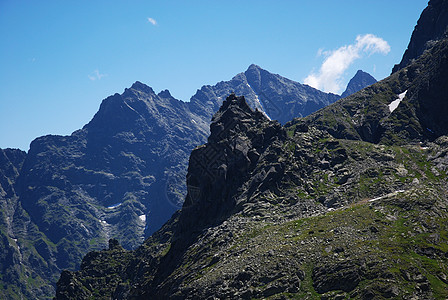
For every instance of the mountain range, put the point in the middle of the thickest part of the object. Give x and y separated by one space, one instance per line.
347 202
121 176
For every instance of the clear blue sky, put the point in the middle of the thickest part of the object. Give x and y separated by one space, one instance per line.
59 59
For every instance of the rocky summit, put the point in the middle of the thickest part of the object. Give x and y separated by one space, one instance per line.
349 202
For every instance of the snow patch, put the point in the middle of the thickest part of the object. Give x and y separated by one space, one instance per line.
257 100
394 104
388 195
142 218
85 228
114 206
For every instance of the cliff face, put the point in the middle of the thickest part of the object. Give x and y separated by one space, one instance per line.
430 28
11 161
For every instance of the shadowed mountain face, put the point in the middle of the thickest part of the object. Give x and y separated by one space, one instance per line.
11 161
430 28
115 177
358 82
121 176
347 203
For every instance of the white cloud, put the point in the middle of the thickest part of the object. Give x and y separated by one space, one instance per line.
152 21
96 75
337 62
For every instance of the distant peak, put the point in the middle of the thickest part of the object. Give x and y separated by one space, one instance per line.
137 85
362 74
142 87
358 82
254 66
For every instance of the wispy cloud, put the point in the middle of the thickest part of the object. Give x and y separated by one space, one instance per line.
152 21
96 75
337 62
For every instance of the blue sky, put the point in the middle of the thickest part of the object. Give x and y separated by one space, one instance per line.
59 59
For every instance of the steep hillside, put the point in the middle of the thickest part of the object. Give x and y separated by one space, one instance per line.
25 258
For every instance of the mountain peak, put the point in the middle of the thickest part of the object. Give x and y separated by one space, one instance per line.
358 82
254 67
142 87
360 73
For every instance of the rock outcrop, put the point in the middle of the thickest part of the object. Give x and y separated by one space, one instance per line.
430 28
